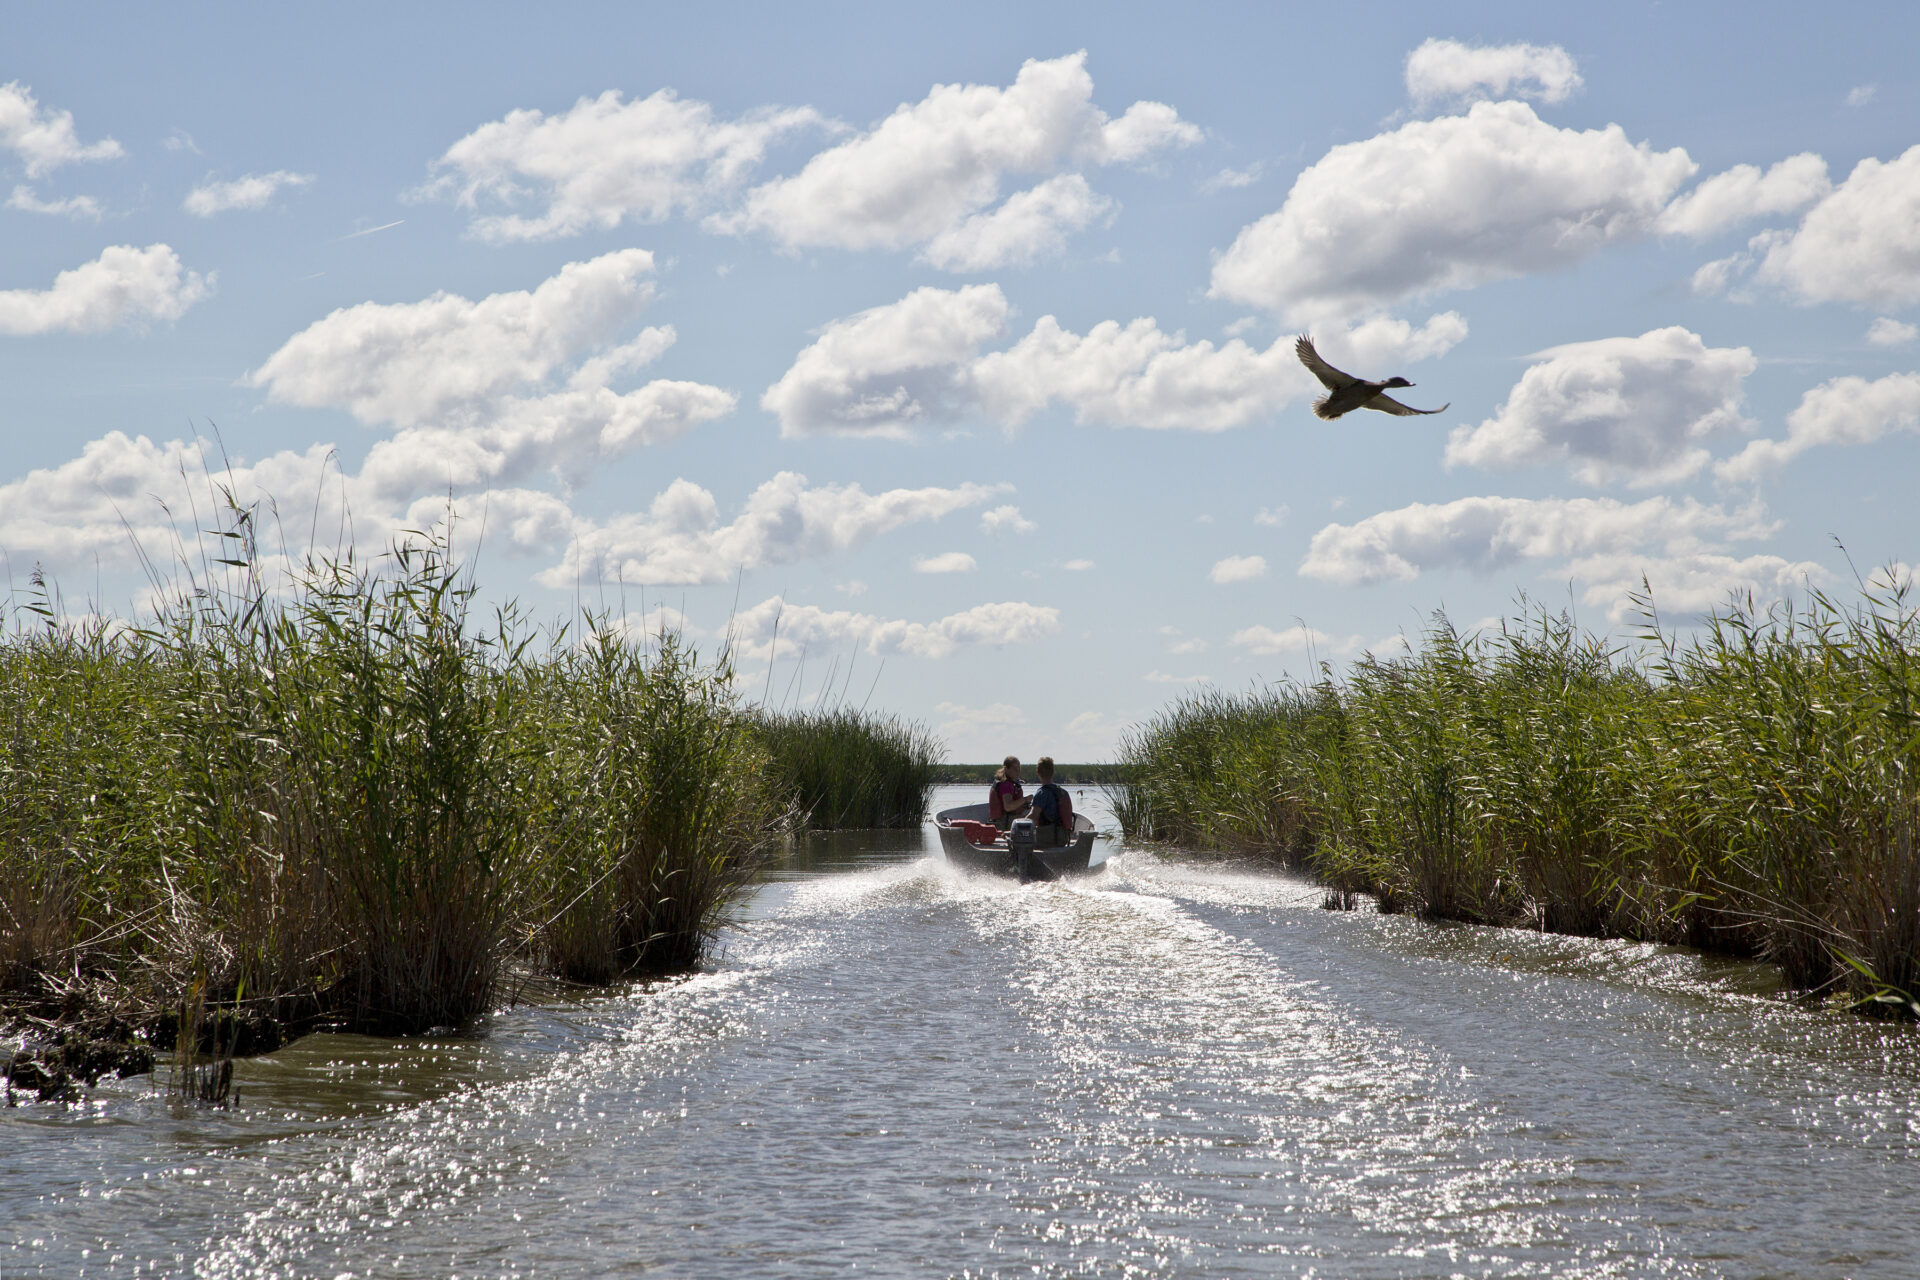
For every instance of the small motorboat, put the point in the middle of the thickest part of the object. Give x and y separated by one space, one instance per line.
972 843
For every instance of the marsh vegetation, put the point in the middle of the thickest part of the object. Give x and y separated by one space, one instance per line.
360 802
851 767
1752 790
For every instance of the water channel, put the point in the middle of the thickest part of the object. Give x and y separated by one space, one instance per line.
1173 1068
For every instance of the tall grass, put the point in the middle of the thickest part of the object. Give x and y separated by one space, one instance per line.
653 802
851 768
355 801
1753 790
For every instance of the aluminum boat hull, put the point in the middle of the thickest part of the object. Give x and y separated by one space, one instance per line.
1075 858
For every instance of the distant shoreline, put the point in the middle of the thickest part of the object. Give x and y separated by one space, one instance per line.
1076 774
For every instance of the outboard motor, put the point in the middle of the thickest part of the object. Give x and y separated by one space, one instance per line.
1021 839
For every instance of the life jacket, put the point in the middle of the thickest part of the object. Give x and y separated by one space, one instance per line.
996 805
1046 804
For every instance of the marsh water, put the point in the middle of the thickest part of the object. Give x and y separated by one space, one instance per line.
1173 1068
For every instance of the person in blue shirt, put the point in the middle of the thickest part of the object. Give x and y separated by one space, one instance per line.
1052 810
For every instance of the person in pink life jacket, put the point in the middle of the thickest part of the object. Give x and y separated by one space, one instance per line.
1052 808
1005 800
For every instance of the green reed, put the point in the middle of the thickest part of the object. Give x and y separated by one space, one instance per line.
1752 790
652 801
851 768
84 827
354 801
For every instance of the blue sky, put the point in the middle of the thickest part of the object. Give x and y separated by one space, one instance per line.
959 340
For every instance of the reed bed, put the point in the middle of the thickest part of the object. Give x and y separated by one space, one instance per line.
355 802
851 768
1754 790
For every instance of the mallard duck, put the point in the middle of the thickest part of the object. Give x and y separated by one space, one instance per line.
1345 393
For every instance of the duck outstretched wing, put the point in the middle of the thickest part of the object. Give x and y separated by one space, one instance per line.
1329 376
1387 404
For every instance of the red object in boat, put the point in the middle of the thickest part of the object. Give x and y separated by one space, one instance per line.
979 832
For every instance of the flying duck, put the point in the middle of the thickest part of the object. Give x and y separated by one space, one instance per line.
1345 393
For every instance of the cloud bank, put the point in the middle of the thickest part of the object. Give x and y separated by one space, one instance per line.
920 361
1630 410
254 191
1441 69
603 162
680 540
1680 547
122 287
930 176
45 140
1449 203
1840 411
490 390
774 626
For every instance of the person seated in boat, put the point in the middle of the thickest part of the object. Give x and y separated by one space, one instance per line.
1005 800
1052 808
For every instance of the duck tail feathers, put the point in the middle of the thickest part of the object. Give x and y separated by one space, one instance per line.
1320 409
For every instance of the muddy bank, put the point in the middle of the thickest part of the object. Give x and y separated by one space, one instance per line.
49 1055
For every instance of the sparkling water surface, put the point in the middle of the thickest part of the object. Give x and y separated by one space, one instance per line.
1172 1068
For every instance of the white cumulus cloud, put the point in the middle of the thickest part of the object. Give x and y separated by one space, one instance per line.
1136 375
1379 341
1449 69
1885 331
411 362
1860 244
930 174
27 200
526 521
1681 548
491 389
946 562
890 368
1689 586
1448 203
1007 518
680 539
1711 279
1745 192
253 191
921 361
794 628
1232 179
1618 409
1840 411
124 491
45 139
1238 569
1492 533
605 161
123 286
1027 226
1298 638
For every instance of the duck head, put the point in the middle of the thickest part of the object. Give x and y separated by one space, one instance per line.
1396 382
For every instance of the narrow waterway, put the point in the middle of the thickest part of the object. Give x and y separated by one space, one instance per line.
1167 1069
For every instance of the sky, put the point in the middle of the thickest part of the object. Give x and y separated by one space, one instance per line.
940 358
